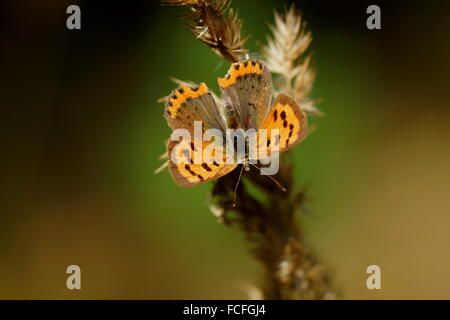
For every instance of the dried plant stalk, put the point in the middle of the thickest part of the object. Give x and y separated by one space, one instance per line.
269 225
292 271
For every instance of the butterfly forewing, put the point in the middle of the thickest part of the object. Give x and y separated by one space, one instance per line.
246 93
188 104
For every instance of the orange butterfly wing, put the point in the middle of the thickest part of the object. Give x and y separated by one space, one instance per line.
187 171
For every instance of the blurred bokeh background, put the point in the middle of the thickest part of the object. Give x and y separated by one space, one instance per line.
82 133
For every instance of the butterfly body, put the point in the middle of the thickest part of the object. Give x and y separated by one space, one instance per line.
245 110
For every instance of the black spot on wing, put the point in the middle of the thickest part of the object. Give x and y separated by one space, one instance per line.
291 129
188 169
191 172
206 167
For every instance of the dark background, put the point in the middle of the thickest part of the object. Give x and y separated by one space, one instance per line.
82 132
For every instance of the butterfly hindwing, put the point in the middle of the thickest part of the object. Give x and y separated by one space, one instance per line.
289 120
246 93
185 169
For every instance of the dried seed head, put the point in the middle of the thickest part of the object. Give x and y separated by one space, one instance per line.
283 54
213 23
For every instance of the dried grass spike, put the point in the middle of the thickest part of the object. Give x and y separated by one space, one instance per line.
283 54
213 23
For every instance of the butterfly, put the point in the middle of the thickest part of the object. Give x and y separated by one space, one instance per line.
246 103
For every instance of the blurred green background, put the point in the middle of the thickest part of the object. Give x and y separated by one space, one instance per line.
82 133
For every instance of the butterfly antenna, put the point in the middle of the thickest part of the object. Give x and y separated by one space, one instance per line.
235 188
270 177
